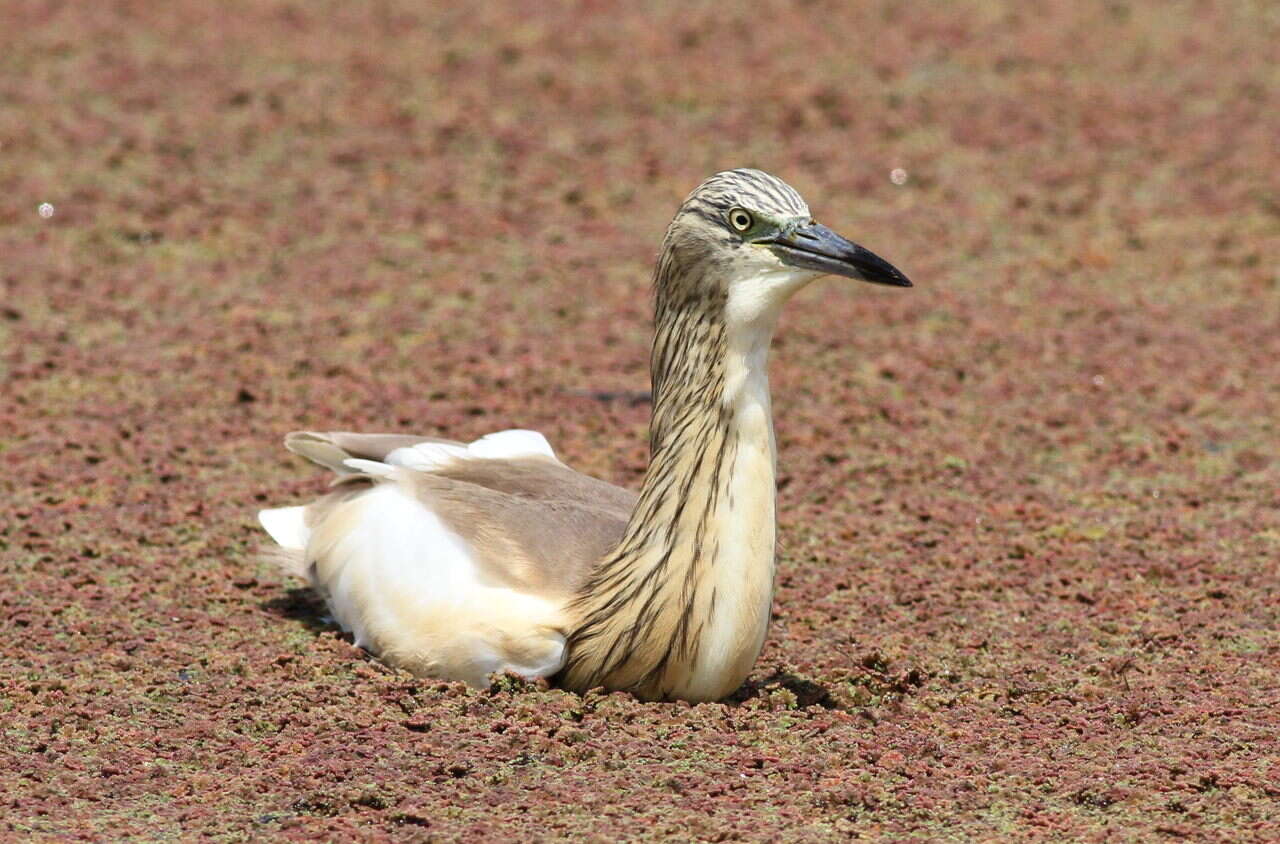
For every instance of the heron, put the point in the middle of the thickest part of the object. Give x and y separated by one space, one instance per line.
461 560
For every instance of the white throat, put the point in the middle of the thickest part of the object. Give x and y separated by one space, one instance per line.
751 314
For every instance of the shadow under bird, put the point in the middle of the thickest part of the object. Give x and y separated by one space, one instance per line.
458 560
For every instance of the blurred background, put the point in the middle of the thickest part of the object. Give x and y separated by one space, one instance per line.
1030 508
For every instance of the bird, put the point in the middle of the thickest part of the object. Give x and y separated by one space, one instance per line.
461 560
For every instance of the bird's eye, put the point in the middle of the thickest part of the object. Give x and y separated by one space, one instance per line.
740 220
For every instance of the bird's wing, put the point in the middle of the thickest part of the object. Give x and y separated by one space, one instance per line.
531 521
460 553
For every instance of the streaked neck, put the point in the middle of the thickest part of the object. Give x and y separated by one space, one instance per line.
680 608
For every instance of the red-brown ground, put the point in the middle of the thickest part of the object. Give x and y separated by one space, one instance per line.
1030 509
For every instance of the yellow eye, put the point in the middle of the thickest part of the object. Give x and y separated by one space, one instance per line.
740 220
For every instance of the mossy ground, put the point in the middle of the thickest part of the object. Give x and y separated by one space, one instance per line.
1030 509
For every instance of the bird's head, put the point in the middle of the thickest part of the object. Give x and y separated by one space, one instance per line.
748 237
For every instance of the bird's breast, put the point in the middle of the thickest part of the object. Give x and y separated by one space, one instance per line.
737 590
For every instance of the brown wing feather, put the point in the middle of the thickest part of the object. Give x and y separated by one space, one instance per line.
543 538
330 448
532 523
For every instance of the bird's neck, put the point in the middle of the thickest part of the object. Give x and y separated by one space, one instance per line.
680 607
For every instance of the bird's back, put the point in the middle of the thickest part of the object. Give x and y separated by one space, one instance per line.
447 559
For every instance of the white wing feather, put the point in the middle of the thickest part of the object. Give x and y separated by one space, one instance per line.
408 588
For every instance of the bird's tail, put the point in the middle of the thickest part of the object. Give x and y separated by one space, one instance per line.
288 527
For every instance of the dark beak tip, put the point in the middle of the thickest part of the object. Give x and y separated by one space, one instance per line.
892 277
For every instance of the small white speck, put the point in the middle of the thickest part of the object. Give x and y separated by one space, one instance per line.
1098 381
1155 493
45 210
898 176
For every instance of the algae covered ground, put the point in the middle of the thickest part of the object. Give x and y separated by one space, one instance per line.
1030 509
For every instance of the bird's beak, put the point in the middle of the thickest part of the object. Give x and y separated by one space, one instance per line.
815 247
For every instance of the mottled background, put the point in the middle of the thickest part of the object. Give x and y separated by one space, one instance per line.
1030 509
